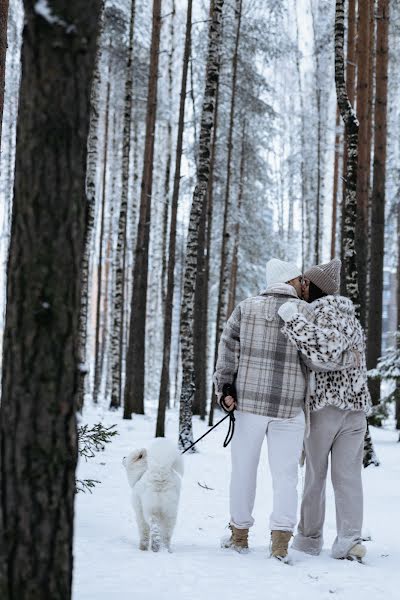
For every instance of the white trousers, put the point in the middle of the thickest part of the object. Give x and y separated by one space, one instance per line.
285 443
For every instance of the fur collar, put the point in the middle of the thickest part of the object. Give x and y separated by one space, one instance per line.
285 289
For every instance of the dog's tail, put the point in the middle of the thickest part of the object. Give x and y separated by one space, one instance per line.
163 455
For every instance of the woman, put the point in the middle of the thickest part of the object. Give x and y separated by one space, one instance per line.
337 403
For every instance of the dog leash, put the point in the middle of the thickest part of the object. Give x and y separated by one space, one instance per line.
230 433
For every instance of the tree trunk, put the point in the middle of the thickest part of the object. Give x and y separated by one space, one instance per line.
351 133
236 233
117 344
397 409
374 339
97 353
199 197
3 52
210 210
134 386
363 85
351 92
169 159
335 185
164 395
38 435
224 273
318 207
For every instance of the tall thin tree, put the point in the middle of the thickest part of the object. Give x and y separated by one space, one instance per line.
3 52
135 368
363 91
199 198
37 415
374 339
164 394
117 357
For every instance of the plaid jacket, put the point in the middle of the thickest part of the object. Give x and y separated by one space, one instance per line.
254 354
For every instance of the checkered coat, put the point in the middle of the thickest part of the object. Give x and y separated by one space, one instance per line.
254 354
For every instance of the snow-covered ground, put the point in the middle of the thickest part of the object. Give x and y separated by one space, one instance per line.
109 566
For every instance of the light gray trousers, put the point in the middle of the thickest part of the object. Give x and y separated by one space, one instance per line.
339 433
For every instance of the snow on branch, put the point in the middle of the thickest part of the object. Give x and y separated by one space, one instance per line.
43 9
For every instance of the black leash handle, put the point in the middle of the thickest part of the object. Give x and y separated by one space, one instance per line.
230 414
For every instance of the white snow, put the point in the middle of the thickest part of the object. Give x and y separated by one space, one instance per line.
109 566
43 9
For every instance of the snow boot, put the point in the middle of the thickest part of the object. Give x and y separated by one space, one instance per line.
279 544
238 540
357 552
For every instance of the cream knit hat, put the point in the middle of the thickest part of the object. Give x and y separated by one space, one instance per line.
280 271
326 277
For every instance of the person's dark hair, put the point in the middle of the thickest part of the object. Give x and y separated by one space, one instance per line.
314 292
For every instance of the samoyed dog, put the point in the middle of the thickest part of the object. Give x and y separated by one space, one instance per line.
155 478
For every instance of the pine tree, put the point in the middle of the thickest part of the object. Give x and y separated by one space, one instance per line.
37 415
134 386
374 338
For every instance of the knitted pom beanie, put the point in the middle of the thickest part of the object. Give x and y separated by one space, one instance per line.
326 277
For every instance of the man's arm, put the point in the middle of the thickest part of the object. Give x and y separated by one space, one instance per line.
228 353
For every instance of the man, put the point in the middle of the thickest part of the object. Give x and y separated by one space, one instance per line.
265 370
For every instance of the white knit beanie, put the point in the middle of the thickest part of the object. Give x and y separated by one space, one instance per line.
280 271
326 277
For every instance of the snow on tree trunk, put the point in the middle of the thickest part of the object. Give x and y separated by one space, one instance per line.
374 339
225 266
91 194
164 394
134 385
120 256
351 133
41 346
97 353
351 92
335 185
3 51
199 198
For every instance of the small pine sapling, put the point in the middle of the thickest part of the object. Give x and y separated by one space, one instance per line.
90 441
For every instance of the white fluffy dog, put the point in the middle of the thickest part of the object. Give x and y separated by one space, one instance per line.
155 478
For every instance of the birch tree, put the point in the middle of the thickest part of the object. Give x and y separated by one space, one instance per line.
199 198
164 394
3 51
120 256
43 302
351 135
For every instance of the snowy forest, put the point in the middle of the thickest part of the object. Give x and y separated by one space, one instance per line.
154 156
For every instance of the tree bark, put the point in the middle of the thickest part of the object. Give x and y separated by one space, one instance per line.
199 197
134 386
224 273
97 353
351 92
363 86
351 133
117 338
38 437
3 52
374 339
397 408
335 185
164 394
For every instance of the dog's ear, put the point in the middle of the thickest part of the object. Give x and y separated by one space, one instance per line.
140 455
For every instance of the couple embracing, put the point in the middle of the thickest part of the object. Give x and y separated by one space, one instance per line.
295 356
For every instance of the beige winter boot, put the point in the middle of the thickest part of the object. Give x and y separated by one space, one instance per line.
238 540
357 552
279 543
